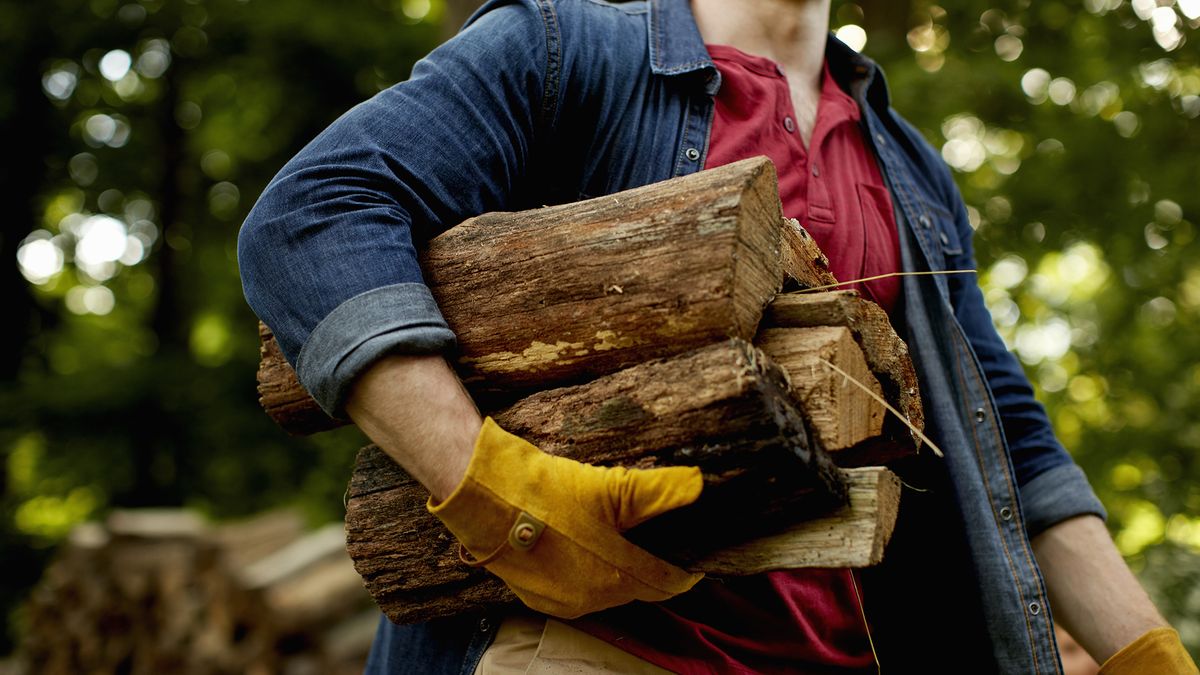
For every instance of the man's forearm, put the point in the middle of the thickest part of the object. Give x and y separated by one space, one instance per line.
1092 592
415 408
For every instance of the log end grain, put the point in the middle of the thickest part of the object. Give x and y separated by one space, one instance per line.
886 353
853 536
840 410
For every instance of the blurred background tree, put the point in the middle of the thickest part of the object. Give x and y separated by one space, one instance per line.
139 132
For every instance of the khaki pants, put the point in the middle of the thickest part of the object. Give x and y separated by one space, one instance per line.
536 645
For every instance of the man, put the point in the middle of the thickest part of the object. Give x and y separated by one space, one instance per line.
544 101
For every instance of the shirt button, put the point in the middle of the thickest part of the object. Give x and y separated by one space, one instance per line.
980 415
925 221
789 124
1006 513
945 239
484 625
879 139
1035 608
816 170
692 154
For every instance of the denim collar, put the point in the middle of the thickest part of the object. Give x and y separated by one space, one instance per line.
676 48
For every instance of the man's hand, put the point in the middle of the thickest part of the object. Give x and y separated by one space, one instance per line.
550 526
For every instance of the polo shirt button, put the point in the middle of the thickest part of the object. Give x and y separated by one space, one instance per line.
1035 608
816 170
692 154
789 124
1006 513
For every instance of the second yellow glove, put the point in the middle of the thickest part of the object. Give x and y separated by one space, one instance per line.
1158 652
550 526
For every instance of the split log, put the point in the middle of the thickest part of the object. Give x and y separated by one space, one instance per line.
724 408
886 354
566 293
853 536
803 262
281 394
838 411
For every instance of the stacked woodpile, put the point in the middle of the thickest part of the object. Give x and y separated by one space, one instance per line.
646 329
160 591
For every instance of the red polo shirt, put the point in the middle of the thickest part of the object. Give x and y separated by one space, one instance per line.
804 621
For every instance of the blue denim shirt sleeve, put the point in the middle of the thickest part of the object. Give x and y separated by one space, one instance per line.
328 255
1052 487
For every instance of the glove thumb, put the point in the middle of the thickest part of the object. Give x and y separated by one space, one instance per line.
641 494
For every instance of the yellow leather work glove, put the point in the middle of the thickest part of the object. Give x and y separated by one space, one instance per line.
1157 651
550 526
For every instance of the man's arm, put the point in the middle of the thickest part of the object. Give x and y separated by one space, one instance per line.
548 526
417 411
1092 592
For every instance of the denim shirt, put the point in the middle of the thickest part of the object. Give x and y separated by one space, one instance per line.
548 101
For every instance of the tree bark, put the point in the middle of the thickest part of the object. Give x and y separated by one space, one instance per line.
803 262
567 293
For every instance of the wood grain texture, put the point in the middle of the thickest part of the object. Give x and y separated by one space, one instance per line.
724 408
839 412
282 396
886 354
853 536
803 262
562 294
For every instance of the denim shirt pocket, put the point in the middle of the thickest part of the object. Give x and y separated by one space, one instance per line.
944 231
935 228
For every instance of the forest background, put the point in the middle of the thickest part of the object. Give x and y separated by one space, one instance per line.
137 134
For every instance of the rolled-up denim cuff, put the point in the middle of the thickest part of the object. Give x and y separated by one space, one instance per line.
1055 495
401 318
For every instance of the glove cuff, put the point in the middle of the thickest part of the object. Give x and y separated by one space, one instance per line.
1157 651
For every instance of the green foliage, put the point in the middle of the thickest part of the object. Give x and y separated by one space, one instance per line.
140 132
133 381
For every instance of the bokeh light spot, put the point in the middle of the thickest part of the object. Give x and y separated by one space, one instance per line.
39 258
115 64
853 35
